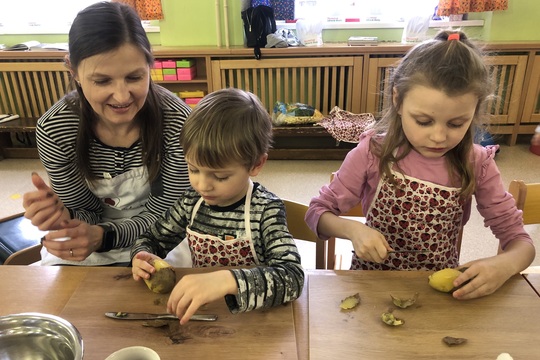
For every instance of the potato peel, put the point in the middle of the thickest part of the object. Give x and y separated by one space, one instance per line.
389 319
404 303
350 302
453 341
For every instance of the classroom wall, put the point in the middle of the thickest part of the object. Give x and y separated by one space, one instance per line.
193 23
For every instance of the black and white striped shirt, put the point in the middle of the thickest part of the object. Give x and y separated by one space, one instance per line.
56 136
280 277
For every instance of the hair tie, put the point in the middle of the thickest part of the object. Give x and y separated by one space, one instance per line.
454 36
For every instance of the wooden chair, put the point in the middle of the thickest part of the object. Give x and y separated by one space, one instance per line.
334 260
527 197
25 256
298 228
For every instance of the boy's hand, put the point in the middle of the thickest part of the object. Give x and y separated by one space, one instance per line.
141 267
195 290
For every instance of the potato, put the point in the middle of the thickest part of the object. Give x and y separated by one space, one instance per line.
164 279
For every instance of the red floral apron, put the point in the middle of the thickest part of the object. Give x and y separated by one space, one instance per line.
415 215
210 250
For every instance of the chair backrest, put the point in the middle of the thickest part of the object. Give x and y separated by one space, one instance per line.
298 228
25 256
527 198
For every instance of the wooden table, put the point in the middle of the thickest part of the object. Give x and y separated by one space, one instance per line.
506 321
534 280
82 295
313 327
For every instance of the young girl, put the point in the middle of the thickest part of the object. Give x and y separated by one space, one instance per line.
415 173
226 218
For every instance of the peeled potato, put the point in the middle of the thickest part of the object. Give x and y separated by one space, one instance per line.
164 279
443 280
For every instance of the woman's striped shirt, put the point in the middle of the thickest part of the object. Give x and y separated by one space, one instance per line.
56 136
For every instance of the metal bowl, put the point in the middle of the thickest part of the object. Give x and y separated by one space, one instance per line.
32 336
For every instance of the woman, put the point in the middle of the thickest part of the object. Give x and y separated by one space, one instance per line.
110 148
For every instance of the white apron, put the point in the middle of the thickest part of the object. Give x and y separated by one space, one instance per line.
208 250
419 215
122 197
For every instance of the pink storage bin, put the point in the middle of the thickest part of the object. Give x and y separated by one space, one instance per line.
158 64
168 64
192 101
186 73
169 77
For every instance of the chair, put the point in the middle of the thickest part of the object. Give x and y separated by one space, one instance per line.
17 233
25 256
332 258
298 228
527 197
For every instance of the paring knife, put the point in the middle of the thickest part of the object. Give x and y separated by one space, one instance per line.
145 316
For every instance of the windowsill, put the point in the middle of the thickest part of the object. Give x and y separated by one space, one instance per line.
56 30
385 25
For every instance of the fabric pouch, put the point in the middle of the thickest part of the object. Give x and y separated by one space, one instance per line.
347 126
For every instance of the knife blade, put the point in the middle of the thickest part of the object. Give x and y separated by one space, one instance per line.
147 316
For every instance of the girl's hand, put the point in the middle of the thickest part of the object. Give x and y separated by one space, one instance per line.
43 207
485 275
369 244
141 267
75 241
195 290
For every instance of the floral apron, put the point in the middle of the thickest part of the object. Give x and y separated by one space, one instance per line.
416 215
122 197
209 250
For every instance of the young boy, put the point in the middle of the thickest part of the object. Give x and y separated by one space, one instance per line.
227 219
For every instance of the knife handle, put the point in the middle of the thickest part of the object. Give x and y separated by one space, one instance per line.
203 317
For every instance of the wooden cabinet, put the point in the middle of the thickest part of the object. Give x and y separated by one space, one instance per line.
352 78
507 75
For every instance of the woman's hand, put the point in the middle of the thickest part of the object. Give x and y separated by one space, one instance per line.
195 290
75 241
141 267
43 207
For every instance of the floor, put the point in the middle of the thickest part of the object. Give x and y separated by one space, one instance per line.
300 180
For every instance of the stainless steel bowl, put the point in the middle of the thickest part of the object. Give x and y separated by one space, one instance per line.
32 336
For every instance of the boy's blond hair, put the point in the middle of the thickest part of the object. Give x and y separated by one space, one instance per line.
227 126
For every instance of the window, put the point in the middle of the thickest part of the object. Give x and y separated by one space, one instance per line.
387 11
46 16
362 14
39 16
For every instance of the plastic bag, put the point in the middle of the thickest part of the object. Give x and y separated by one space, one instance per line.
347 126
295 114
309 32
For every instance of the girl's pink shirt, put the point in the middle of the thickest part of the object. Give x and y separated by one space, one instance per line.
358 177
